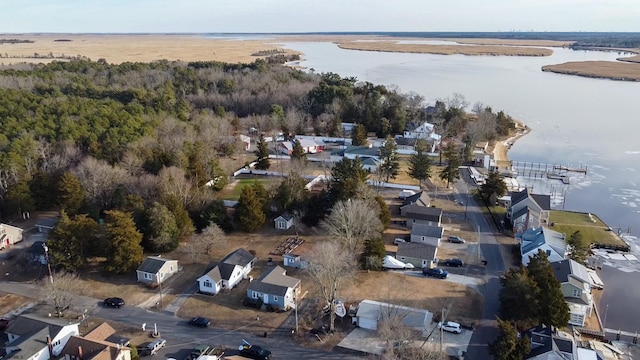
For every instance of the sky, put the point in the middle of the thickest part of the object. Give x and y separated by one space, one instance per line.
272 16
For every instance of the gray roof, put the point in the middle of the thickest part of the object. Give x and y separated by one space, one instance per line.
411 317
286 217
421 198
544 201
152 264
520 212
363 151
416 250
418 212
518 196
239 257
226 270
370 161
534 238
32 331
214 274
565 268
427 230
543 340
274 282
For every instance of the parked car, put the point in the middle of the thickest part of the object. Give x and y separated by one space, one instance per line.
156 345
114 302
254 351
435 272
453 262
450 326
200 321
456 240
397 241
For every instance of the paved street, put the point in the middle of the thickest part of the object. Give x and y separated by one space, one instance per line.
181 337
490 251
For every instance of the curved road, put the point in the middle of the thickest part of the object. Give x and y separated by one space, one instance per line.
487 329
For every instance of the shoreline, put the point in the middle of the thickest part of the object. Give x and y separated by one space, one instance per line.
628 70
501 147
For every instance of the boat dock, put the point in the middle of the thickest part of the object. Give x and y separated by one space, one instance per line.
549 171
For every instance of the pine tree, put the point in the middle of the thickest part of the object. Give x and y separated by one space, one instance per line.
389 163
122 242
359 135
508 345
553 311
420 163
517 289
385 213
249 211
70 193
298 152
374 253
262 163
493 186
162 231
451 171
346 177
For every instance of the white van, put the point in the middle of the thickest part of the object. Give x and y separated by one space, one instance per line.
397 241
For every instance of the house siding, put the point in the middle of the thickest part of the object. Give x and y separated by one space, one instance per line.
417 262
213 289
425 240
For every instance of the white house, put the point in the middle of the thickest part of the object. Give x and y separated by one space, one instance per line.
38 338
549 241
246 141
9 235
362 152
284 221
309 146
426 234
417 254
372 313
422 131
417 214
231 270
156 269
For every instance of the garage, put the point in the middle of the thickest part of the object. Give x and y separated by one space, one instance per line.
371 312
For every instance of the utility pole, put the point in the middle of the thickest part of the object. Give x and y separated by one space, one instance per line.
46 255
442 325
295 299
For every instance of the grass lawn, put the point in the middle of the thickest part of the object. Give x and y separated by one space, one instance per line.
593 230
232 190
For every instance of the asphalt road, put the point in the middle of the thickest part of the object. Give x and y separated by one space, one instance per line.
181 338
487 329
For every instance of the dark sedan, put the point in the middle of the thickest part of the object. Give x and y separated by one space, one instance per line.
255 352
202 322
454 262
435 272
114 302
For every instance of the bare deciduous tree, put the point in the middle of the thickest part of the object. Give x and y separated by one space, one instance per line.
201 244
99 179
61 291
351 222
330 266
174 182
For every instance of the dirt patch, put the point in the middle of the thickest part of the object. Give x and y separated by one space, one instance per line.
10 304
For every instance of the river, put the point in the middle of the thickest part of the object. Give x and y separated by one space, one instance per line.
575 121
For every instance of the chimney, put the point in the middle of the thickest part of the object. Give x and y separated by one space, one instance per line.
50 346
80 351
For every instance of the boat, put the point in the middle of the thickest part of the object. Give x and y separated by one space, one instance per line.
392 263
341 311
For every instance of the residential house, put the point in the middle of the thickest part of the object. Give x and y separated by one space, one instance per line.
9 235
371 314
96 345
38 338
417 214
426 234
420 255
347 128
576 285
362 152
295 261
274 287
156 269
284 221
370 164
228 273
549 343
309 146
528 210
549 241
421 131
421 199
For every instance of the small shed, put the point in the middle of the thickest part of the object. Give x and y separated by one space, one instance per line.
370 313
9 235
284 221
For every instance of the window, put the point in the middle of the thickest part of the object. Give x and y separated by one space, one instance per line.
208 284
548 252
148 276
254 294
577 292
275 298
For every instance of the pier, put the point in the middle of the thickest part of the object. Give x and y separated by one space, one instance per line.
546 171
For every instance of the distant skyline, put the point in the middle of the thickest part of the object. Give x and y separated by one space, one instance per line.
269 16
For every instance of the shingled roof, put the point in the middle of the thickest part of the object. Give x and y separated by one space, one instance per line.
274 282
